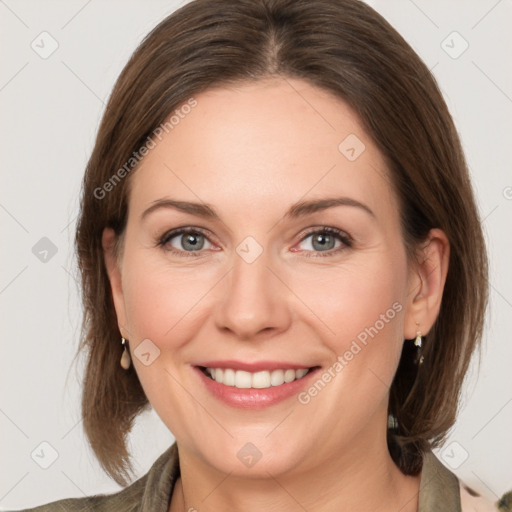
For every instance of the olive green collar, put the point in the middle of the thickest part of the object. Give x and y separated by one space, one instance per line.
439 487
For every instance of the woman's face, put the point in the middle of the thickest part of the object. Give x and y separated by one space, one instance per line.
293 259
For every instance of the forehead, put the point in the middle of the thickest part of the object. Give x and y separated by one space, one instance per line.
262 144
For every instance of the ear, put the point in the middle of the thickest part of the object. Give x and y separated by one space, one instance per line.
108 240
426 284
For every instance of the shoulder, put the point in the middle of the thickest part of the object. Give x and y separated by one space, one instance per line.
472 501
441 490
126 500
150 493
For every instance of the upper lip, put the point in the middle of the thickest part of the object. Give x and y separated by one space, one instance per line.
254 366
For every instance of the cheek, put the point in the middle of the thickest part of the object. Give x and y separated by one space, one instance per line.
166 306
361 308
353 298
161 299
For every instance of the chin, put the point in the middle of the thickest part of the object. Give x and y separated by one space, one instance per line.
253 456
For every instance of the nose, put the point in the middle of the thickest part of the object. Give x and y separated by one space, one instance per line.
255 300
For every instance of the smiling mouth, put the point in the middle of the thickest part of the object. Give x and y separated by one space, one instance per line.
254 380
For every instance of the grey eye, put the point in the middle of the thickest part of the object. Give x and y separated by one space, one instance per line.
320 242
189 241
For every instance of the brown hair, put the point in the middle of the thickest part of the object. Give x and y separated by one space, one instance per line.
346 48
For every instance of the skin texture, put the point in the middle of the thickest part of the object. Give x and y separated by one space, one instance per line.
251 152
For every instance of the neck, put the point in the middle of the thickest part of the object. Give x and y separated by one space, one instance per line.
360 476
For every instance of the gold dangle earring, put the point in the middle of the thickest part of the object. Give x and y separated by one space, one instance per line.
417 343
125 358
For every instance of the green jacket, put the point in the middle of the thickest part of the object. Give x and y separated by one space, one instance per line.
439 491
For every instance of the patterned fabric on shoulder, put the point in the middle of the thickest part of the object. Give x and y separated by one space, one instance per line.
472 501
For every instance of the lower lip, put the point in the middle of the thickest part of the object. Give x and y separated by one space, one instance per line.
254 398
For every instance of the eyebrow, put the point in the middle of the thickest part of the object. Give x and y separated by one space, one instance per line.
300 209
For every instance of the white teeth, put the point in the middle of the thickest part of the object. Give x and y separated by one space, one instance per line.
261 380
258 380
289 375
277 377
242 379
228 378
300 373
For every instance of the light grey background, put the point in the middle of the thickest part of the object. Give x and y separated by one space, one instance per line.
50 111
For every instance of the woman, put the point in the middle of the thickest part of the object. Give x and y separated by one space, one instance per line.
274 249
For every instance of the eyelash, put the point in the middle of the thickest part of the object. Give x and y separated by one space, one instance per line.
341 235
344 238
